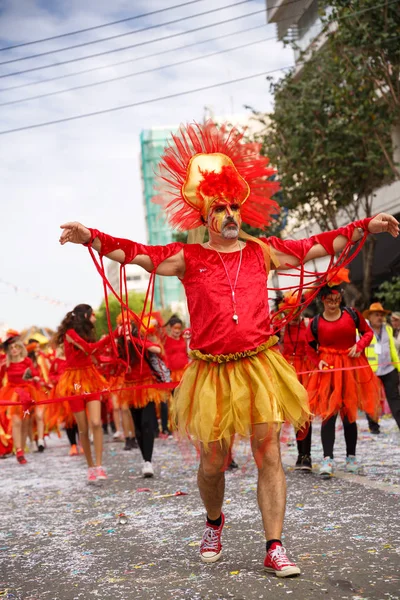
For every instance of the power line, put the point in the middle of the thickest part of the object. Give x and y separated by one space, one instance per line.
129 75
126 33
141 103
167 37
179 34
108 24
125 62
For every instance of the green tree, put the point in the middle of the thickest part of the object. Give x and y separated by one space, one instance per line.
135 303
389 294
329 138
367 40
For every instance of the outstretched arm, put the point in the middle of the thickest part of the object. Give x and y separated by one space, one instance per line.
167 260
291 253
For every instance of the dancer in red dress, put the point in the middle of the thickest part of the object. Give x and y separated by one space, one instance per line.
294 349
20 387
142 401
237 382
81 377
340 386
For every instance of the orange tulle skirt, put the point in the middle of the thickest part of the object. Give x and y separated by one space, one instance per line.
10 393
82 380
59 413
345 392
177 375
139 398
6 441
301 364
222 395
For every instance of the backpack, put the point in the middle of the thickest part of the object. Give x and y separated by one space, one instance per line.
351 311
158 367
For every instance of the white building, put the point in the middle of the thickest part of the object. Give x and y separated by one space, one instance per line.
137 278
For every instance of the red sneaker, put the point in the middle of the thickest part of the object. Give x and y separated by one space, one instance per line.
92 477
277 562
20 457
101 473
211 547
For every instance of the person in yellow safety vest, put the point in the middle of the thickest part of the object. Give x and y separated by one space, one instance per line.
384 360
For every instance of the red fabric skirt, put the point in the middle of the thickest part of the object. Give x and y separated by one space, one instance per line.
345 392
14 392
139 398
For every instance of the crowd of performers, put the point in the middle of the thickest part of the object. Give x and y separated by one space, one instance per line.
82 386
238 382
333 353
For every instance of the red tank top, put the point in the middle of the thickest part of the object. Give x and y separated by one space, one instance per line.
209 299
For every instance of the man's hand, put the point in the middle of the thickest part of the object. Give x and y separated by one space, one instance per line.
353 352
76 233
384 222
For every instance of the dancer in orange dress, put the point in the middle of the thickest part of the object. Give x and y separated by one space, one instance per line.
344 383
20 387
81 377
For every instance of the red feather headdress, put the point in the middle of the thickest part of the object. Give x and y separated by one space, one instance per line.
204 163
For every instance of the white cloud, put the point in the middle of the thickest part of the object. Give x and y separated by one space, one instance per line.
88 169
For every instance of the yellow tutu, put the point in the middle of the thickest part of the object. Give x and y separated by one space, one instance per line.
227 394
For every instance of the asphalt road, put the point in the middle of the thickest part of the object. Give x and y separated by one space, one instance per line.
60 538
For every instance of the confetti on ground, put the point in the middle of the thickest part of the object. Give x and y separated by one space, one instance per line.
343 532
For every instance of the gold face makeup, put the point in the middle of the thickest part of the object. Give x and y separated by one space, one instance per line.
224 216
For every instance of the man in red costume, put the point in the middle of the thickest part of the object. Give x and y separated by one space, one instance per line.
237 381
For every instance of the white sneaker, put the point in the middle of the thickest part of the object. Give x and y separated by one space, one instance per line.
118 435
147 470
327 468
352 466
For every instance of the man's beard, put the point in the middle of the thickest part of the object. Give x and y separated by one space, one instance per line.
230 233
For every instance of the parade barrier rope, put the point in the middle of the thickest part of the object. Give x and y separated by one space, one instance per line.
164 386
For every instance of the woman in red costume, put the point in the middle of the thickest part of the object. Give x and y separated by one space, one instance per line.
237 382
340 386
6 441
142 401
176 348
81 377
20 387
60 413
294 349
43 387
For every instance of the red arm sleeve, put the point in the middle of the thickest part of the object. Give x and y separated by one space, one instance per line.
365 332
86 347
300 248
131 249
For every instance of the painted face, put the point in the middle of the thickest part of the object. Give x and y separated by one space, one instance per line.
176 331
332 301
224 219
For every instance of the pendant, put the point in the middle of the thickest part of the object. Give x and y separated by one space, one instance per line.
235 318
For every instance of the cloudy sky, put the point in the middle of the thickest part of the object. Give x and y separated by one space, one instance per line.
88 169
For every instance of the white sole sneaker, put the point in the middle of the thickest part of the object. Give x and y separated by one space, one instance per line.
287 572
147 470
211 559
